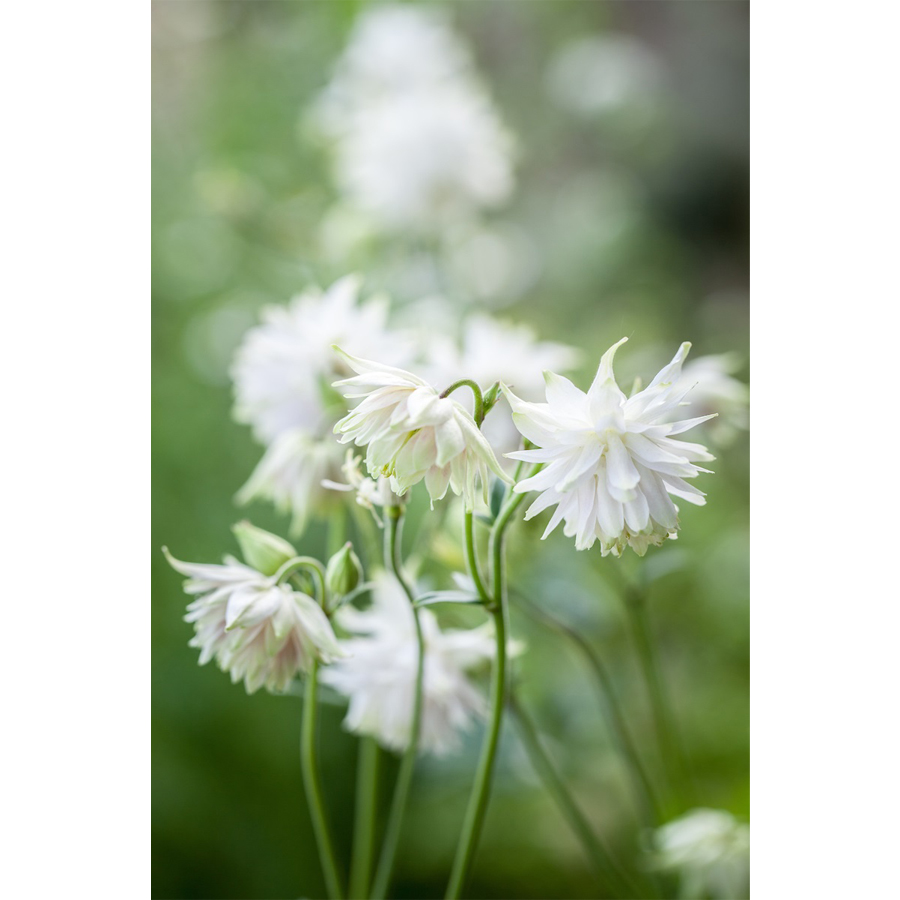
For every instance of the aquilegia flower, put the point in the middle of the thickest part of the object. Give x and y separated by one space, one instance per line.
413 433
282 374
378 674
610 461
710 852
259 631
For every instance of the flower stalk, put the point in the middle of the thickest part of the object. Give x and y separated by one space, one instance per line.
364 818
392 529
313 787
478 415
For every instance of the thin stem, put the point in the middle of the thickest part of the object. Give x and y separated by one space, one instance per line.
394 516
313 787
472 557
476 393
669 745
364 819
612 711
304 562
608 871
478 801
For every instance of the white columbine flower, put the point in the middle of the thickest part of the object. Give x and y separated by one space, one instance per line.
710 852
257 630
413 433
610 461
378 674
282 377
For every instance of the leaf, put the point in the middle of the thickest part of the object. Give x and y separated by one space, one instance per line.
447 597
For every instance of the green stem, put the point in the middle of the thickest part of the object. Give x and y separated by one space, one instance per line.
669 745
608 871
472 557
364 819
612 711
313 787
393 515
478 415
478 801
304 562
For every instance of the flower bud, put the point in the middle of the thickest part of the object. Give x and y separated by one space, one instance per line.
262 550
343 572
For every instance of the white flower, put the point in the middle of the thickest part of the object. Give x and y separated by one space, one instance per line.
611 462
370 492
282 376
413 434
717 391
378 674
256 629
710 851
391 48
426 159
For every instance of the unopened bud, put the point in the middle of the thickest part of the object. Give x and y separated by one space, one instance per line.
343 572
262 550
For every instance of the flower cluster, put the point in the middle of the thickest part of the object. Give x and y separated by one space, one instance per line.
417 142
282 374
611 462
378 672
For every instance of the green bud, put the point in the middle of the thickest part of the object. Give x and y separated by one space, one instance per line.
491 396
343 572
262 550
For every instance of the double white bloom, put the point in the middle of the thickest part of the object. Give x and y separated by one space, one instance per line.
259 631
709 850
413 433
611 461
378 674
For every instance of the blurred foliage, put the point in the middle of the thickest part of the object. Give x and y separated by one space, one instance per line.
633 228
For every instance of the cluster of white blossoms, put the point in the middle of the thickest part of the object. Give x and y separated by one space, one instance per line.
261 632
611 462
412 433
418 144
709 850
283 373
378 672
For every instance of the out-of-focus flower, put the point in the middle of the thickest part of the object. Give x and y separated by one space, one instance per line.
378 674
710 852
605 74
493 350
418 144
282 374
611 462
716 390
426 159
259 631
413 434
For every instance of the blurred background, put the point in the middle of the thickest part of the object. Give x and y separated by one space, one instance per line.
625 213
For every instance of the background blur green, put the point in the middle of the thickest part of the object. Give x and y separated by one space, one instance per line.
639 228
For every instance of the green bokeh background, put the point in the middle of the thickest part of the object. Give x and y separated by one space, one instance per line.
642 230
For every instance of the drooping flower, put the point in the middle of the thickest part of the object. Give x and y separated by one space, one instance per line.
282 376
710 852
378 674
611 461
370 492
259 631
413 433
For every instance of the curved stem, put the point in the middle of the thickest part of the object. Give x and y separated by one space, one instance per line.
613 713
364 819
478 801
304 562
472 557
669 744
394 516
608 871
313 787
476 393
